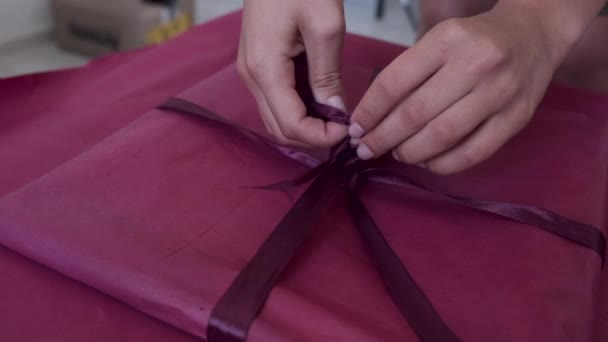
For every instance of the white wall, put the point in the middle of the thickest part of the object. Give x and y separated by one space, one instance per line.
23 18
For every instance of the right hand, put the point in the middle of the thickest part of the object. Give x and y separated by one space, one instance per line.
273 33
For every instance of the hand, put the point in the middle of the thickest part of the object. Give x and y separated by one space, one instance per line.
461 92
275 31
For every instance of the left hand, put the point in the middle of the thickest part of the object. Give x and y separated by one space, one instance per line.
460 93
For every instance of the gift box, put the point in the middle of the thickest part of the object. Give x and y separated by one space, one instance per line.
160 208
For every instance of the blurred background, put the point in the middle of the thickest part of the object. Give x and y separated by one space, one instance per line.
43 35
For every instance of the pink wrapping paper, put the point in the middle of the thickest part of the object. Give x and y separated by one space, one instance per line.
147 206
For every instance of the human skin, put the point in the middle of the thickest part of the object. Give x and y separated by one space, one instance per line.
448 103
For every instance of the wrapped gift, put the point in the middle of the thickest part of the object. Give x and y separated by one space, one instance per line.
165 209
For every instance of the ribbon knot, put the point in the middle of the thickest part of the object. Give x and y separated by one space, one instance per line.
235 312
349 168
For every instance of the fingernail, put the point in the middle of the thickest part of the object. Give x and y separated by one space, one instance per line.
364 152
336 102
396 156
355 142
355 130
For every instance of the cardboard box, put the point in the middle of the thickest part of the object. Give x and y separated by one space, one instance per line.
96 27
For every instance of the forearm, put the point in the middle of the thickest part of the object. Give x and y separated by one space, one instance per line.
562 22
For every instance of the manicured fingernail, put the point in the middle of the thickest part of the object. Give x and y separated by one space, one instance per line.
355 130
396 155
364 152
336 102
355 142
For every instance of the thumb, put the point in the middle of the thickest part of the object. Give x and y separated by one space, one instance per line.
324 51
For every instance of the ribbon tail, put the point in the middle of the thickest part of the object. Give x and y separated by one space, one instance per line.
577 232
233 315
187 107
409 298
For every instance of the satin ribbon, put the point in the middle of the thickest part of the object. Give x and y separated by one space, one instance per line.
233 315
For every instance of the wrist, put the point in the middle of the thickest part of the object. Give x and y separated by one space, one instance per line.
559 23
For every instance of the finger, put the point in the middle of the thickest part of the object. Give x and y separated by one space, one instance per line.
272 126
450 127
323 36
394 83
278 87
483 143
246 77
271 67
255 64
296 125
436 95
268 119
269 122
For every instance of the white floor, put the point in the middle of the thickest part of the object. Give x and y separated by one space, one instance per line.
41 54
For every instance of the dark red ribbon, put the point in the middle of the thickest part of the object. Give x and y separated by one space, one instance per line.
233 315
